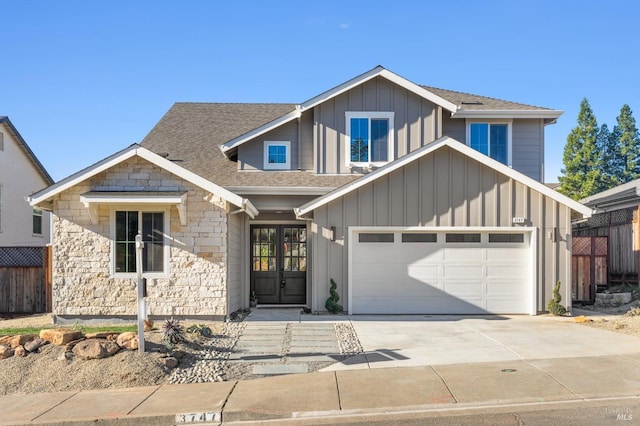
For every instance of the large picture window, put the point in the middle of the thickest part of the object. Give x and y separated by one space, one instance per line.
492 139
151 226
369 137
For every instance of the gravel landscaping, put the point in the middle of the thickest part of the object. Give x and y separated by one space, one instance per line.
202 359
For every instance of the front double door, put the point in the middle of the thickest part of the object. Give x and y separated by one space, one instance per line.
279 264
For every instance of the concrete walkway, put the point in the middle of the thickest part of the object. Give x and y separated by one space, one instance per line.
326 395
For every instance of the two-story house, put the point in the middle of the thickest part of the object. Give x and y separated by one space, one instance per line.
21 174
413 199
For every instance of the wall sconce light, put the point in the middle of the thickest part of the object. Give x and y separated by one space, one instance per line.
333 233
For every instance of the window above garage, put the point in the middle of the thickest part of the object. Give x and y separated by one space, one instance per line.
491 138
369 137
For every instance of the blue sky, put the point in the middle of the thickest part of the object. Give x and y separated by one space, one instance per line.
82 80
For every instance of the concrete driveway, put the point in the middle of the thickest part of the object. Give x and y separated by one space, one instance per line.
402 340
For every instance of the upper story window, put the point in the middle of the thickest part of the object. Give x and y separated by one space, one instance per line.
1 141
492 139
151 225
277 155
369 137
37 222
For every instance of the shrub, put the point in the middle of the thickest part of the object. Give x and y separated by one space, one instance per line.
332 302
172 331
200 329
554 306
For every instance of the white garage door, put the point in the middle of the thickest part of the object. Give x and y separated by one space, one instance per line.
441 272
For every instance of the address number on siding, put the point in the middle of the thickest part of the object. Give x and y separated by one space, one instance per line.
208 416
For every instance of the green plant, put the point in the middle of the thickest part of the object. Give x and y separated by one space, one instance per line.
253 295
554 306
172 331
332 302
200 329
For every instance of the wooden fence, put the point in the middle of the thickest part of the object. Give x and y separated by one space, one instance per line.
589 267
25 279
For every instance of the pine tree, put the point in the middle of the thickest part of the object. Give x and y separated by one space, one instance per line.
582 158
629 145
612 161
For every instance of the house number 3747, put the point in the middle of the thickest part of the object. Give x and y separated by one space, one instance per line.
208 416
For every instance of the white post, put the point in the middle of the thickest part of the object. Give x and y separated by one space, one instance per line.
141 305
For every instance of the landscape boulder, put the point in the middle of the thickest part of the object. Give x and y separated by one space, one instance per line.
17 340
35 344
60 336
6 351
20 351
169 362
109 335
95 349
128 340
69 346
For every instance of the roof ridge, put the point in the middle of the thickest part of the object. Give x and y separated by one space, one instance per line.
234 103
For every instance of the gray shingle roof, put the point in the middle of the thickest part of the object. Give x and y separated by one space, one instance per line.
468 101
190 133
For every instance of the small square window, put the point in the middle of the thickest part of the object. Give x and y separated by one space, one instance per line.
277 155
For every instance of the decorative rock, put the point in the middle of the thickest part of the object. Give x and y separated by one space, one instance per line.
95 349
169 362
20 351
35 344
60 336
177 354
17 340
5 351
69 346
102 335
612 300
128 340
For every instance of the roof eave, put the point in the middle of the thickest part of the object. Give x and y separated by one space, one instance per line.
27 150
549 114
234 143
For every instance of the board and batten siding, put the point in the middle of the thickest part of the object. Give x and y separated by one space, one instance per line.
415 122
528 148
443 188
251 154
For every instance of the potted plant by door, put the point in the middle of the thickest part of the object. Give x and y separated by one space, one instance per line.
253 301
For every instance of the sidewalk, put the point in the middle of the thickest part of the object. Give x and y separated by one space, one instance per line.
335 393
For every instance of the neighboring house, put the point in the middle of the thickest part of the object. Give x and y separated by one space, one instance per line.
616 213
413 199
21 174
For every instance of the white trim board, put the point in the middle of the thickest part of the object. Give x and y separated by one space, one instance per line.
136 150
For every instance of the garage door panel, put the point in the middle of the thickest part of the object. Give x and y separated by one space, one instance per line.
412 305
466 254
504 271
463 270
441 278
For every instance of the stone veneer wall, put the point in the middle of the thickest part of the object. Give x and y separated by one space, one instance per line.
82 281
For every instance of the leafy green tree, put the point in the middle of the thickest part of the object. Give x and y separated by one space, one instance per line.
582 158
628 140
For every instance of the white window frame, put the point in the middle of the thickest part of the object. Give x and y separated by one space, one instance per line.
508 123
36 212
277 166
165 240
389 115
